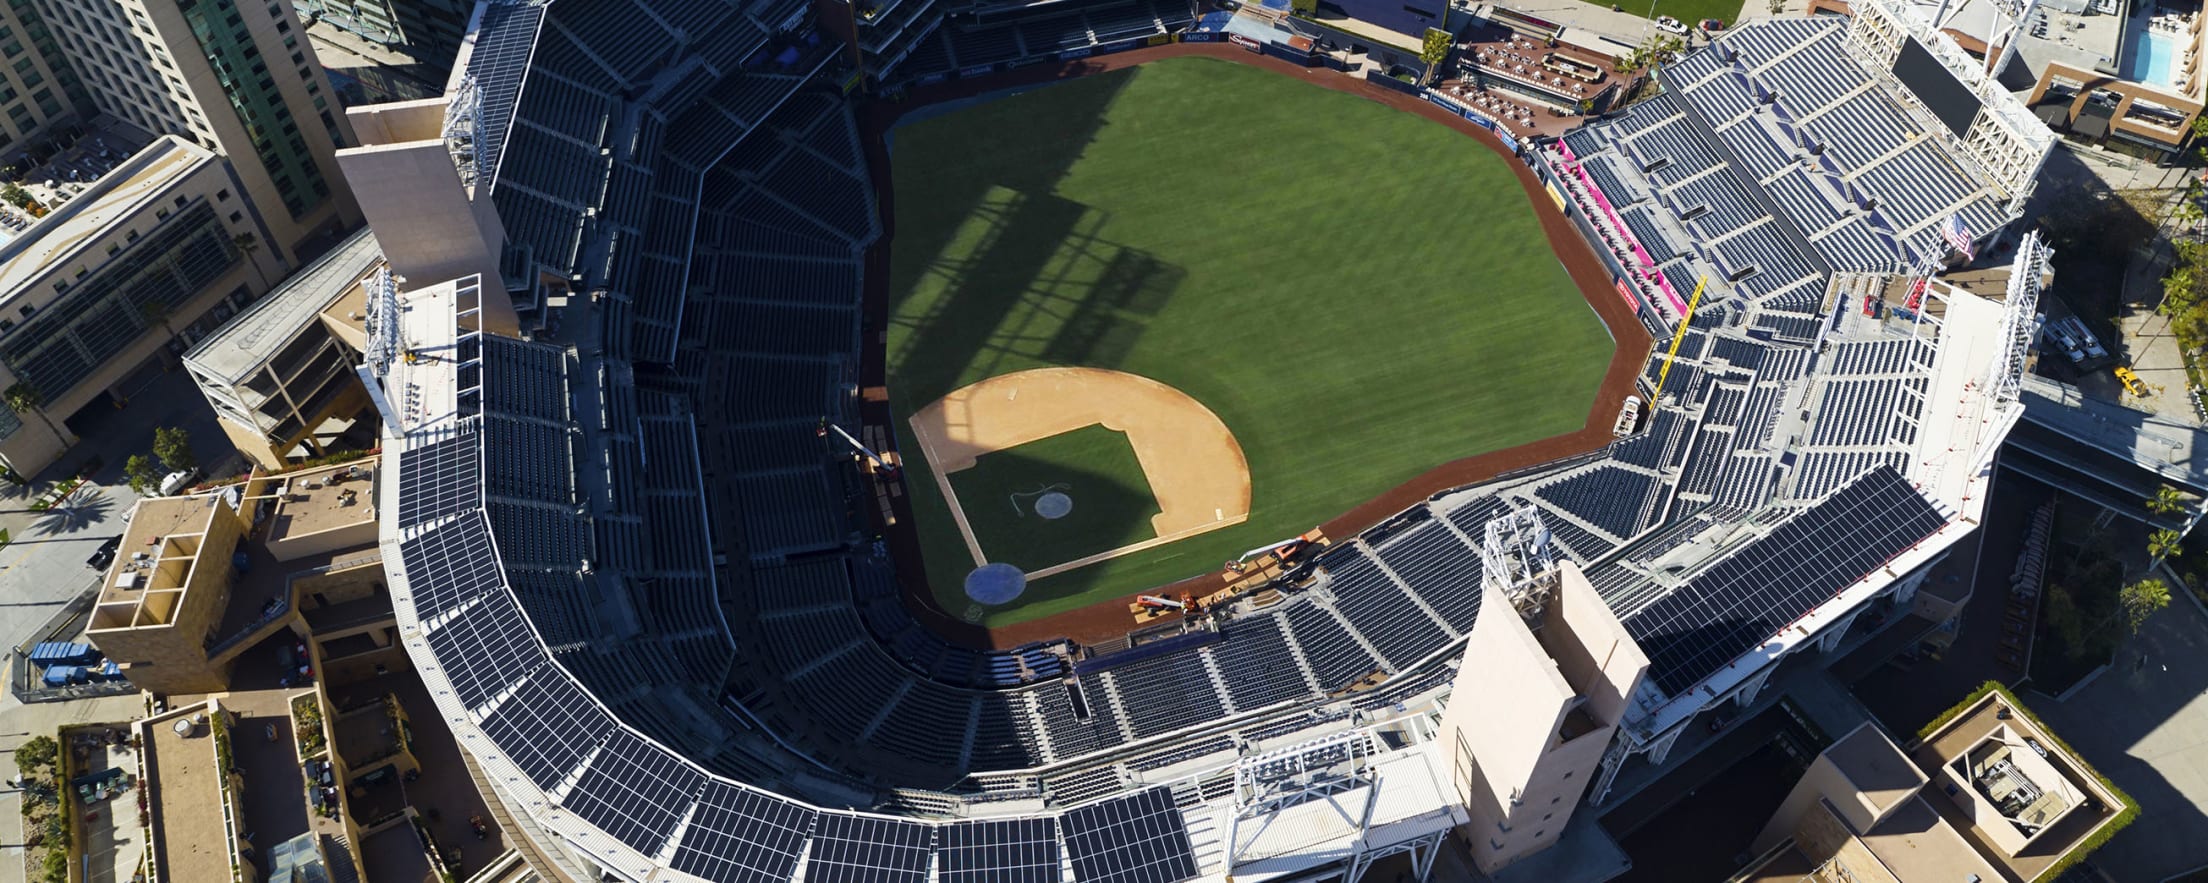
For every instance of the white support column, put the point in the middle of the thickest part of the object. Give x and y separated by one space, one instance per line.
1907 593
1613 759
1662 748
1422 856
1753 686
1831 640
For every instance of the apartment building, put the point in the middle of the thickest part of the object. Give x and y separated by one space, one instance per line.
239 79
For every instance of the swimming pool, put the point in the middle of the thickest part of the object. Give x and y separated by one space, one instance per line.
2152 58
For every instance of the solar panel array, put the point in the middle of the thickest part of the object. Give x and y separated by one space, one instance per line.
739 835
547 727
1746 598
503 44
998 851
449 565
440 479
1140 838
635 791
868 849
486 648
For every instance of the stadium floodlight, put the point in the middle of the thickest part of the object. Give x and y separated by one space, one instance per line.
2019 319
463 128
383 321
1515 559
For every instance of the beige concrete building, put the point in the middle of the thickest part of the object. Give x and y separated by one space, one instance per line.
162 601
1548 689
110 282
194 805
199 579
280 376
433 220
1988 796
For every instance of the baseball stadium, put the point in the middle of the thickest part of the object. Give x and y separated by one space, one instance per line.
1054 442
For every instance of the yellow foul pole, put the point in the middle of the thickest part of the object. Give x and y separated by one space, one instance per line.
1665 371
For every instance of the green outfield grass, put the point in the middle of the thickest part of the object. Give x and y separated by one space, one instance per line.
1093 466
1358 293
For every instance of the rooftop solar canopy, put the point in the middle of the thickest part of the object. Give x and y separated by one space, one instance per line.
1746 598
503 45
440 479
1139 838
867 849
635 791
450 564
547 727
739 835
485 648
998 851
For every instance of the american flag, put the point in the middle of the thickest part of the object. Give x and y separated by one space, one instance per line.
1958 236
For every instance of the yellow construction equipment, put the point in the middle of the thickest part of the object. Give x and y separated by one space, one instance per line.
2131 381
1684 320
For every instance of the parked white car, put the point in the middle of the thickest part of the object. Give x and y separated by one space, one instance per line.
1670 25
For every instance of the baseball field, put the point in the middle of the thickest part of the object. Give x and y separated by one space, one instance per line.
1143 321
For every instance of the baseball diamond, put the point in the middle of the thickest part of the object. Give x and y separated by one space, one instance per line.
1352 316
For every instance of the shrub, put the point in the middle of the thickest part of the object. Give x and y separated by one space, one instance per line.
39 751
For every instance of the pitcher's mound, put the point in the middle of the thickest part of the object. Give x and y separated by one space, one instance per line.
1053 506
997 583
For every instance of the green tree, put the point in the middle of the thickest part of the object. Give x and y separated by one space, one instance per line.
138 470
24 398
1434 50
2163 544
2166 500
37 752
2141 599
174 446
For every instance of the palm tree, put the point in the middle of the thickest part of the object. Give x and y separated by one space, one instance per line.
24 398
2166 500
157 313
247 244
2163 544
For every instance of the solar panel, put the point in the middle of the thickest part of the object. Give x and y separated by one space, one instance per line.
998 851
503 44
739 835
1140 838
439 479
635 792
547 727
867 849
448 565
486 648
1746 598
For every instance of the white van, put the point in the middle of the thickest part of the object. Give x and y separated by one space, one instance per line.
176 482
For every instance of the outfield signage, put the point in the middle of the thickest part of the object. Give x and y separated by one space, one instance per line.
1246 42
1076 53
1203 37
978 70
931 79
1502 133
